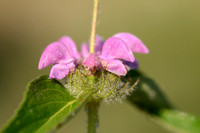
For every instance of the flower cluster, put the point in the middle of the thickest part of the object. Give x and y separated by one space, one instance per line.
115 55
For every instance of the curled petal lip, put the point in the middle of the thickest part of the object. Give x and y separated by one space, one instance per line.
59 71
116 67
52 54
134 43
70 44
115 48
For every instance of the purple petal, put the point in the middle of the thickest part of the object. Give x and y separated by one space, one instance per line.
59 71
91 61
70 45
66 61
99 41
116 67
134 43
115 48
84 50
131 65
53 53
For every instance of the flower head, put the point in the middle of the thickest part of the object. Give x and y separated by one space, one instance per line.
115 55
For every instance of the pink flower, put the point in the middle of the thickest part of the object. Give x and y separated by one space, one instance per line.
113 50
115 55
63 54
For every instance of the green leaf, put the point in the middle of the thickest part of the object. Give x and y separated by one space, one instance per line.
47 103
180 120
148 97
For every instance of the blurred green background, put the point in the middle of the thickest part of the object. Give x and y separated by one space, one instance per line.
170 29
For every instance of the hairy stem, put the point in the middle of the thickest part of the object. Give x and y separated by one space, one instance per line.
94 23
92 112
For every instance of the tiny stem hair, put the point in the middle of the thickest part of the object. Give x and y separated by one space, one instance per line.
93 28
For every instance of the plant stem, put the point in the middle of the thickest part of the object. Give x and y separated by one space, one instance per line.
92 112
94 23
92 106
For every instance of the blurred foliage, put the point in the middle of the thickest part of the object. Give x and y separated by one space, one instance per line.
148 97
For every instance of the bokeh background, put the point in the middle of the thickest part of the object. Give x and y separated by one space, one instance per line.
170 29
